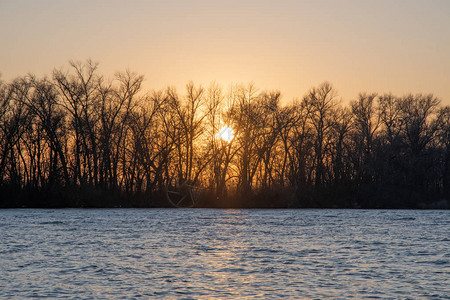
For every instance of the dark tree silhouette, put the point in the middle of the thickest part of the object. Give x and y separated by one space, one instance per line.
78 139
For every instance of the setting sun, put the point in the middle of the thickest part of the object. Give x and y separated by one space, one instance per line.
226 134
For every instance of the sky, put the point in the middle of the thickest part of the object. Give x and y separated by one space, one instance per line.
359 46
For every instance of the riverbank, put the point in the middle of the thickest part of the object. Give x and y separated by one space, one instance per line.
90 197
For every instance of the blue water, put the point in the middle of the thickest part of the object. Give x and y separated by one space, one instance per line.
204 253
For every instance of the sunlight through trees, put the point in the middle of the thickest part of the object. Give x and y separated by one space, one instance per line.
80 133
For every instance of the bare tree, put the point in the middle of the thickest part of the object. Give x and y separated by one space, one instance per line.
366 119
322 102
78 93
41 99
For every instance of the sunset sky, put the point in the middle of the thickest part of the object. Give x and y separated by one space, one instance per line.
373 46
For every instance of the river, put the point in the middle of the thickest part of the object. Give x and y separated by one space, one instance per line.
207 253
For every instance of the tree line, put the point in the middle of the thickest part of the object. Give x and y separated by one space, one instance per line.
78 139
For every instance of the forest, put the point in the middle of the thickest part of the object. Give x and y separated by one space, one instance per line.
77 139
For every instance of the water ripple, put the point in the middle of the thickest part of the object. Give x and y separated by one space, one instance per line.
204 253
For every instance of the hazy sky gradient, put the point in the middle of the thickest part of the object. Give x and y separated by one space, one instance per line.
373 46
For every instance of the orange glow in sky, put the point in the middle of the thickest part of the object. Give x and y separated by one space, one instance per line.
291 45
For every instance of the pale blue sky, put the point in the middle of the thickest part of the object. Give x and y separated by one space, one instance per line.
373 46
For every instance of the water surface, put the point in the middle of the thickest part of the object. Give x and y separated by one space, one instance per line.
203 253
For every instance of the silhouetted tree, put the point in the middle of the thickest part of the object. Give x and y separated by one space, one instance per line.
322 103
443 139
79 139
